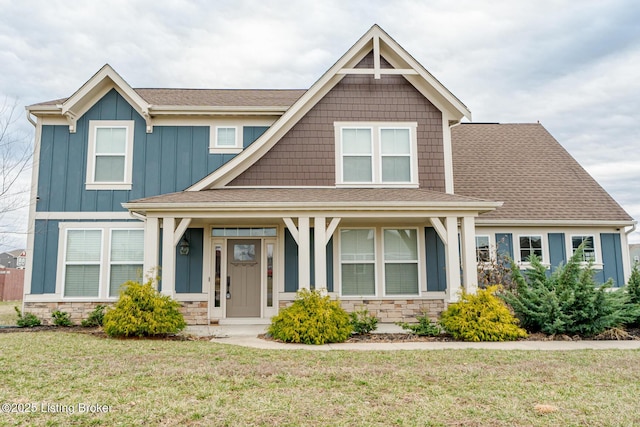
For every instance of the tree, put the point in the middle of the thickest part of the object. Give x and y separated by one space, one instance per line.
16 153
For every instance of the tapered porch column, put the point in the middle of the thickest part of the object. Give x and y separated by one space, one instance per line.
469 263
452 259
168 272
151 248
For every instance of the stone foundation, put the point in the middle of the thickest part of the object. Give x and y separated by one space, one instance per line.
195 312
391 311
78 311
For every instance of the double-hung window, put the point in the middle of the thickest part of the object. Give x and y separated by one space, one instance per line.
530 245
358 261
588 248
110 155
400 261
483 253
98 260
376 154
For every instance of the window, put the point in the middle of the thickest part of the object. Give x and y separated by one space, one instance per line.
357 259
376 153
110 155
226 139
127 256
589 250
98 260
400 262
482 249
530 245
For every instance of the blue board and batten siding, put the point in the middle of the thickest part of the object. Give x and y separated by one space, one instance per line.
189 267
169 159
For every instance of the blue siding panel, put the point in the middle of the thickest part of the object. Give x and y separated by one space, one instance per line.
251 133
189 267
557 250
504 244
612 258
45 255
290 263
436 262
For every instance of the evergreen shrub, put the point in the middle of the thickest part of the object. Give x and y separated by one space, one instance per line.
311 319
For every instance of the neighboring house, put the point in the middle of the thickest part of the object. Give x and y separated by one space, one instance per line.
13 259
634 254
366 184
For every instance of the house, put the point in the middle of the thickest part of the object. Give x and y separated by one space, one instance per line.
634 253
13 259
368 184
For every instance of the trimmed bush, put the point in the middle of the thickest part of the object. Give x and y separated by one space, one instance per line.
363 322
569 301
96 317
425 327
481 317
142 311
61 318
26 320
311 319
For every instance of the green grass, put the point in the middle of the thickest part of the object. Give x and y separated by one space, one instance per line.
8 313
201 383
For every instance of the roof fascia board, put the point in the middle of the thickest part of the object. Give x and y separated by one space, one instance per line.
206 109
553 222
94 89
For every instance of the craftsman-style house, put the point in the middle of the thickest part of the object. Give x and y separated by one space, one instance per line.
367 184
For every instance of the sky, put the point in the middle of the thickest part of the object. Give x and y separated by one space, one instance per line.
572 66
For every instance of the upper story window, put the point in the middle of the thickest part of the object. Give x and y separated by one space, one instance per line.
110 155
588 250
226 139
376 154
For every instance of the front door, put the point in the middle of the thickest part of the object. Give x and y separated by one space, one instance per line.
243 278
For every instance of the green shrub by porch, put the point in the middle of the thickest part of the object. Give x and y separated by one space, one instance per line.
481 317
312 319
142 311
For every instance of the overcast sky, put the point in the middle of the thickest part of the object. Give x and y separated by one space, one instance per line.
572 65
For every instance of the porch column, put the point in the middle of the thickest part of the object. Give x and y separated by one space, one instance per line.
304 253
452 258
151 251
320 252
168 272
469 263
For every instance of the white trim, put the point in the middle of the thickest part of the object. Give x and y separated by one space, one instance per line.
517 256
62 258
551 222
376 155
419 254
79 216
452 259
489 248
338 284
597 250
215 148
448 154
33 200
468 254
125 184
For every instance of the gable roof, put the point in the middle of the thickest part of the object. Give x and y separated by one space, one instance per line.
526 168
381 44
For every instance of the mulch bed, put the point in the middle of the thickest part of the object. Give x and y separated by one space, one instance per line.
613 334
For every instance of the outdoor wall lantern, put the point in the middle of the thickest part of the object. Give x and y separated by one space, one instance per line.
184 246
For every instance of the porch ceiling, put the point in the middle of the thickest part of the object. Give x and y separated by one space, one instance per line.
247 202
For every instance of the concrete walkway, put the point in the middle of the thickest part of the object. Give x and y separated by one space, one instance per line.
247 336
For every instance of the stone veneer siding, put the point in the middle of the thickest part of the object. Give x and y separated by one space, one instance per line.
305 155
194 312
391 311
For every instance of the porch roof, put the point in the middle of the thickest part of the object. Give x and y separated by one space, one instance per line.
313 199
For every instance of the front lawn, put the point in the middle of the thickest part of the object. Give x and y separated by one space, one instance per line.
201 383
8 312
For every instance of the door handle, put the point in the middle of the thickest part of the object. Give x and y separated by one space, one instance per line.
228 287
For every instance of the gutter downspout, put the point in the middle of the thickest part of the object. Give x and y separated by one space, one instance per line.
30 119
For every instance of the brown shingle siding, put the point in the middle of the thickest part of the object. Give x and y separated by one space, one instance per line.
356 98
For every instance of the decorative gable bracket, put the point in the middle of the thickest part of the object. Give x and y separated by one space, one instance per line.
376 70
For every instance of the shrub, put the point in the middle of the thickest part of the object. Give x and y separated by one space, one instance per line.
27 320
633 294
481 317
566 302
142 311
61 318
311 319
96 317
425 327
363 322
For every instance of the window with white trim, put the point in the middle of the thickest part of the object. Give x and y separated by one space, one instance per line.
379 153
401 261
97 261
483 253
226 140
530 245
358 261
588 250
110 155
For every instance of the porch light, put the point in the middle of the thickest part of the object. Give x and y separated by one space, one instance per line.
184 246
